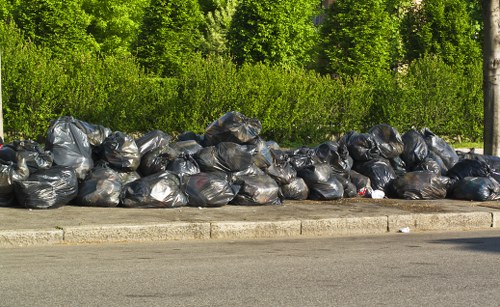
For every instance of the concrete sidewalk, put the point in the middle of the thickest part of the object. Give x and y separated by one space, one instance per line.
355 216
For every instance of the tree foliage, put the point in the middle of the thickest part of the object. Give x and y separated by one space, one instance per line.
170 35
60 25
357 37
275 32
215 40
115 23
443 28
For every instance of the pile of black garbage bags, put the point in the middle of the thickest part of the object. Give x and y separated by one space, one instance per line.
85 164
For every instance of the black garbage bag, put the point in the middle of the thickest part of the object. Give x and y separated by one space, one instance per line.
378 170
36 157
126 177
160 190
415 149
253 170
257 190
492 161
121 151
476 188
429 165
335 154
350 189
101 188
322 183
273 145
188 147
281 170
185 164
69 146
421 185
157 160
444 150
47 188
361 146
315 173
302 157
261 154
208 189
96 134
398 165
325 190
361 182
7 152
152 140
469 168
442 167
388 140
295 190
191 136
225 156
232 127
11 172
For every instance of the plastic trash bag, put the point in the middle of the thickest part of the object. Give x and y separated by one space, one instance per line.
225 156
121 151
469 168
295 190
47 188
492 161
188 147
415 149
421 185
11 172
69 146
191 136
443 169
157 160
315 173
256 190
398 165
160 190
36 158
101 188
302 157
253 170
440 148
185 164
325 190
208 189
361 182
476 188
335 154
361 146
378 170
126 177
281 170
152 140
261 154
232 127
388 140
429 165
96 134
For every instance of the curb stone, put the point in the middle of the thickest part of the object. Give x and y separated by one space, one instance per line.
442 221
31 237
345 226
254 230
120 233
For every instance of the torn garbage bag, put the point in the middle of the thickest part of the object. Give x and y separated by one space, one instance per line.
47 188
160 190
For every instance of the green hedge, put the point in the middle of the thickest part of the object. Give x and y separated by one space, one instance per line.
295 106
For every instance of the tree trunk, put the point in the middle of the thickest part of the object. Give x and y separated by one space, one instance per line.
491 75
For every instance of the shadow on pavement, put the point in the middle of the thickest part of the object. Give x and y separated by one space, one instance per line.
485 244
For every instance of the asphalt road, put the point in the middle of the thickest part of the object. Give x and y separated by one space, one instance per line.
415 269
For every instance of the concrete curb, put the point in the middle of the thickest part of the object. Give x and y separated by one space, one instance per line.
344 226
